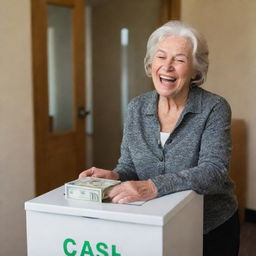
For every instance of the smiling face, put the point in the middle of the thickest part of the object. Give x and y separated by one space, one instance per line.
172 68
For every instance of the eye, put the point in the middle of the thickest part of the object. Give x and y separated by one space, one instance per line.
180 60
160 57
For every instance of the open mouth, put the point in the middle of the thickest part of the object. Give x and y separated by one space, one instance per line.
167 79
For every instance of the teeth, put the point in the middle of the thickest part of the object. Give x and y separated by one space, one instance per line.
172 79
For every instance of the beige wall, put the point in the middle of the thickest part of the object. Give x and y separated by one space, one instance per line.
229 26
16 131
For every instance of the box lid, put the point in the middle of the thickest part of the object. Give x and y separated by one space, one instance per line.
153 212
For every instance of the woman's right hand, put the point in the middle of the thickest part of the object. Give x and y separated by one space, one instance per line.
99 173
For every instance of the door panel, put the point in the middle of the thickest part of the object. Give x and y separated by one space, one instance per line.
63 162
58 73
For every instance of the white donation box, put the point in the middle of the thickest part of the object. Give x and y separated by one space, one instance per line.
171 225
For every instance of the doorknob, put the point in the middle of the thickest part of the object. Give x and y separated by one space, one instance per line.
82 113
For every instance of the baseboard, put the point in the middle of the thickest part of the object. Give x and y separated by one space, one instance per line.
250 215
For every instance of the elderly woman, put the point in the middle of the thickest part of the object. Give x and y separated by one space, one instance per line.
178 137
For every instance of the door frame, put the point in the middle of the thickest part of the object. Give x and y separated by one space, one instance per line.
170 10
40 83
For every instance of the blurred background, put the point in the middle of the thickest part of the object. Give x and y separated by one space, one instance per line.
68 69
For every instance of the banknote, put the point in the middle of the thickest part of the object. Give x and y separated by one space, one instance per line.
89 188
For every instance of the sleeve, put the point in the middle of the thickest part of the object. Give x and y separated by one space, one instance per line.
210 176
125 167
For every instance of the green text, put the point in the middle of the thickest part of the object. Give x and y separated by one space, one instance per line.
71 248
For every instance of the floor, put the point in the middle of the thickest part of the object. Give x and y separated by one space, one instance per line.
248 239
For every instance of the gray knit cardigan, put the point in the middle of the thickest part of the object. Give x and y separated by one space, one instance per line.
195 156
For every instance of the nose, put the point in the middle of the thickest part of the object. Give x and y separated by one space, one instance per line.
168 65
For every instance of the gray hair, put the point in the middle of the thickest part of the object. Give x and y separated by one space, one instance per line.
199 48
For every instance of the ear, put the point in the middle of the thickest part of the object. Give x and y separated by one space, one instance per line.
149 70
194 75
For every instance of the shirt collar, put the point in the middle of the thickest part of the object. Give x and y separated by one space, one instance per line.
194 102
151 107
193 105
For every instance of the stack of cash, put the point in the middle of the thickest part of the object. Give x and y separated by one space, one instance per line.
89 188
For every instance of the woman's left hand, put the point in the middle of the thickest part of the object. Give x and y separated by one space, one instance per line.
131 191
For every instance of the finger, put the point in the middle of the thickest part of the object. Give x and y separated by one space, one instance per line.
97 175
97 172
116 190
129 199
120 196
82 175
125 198
86 173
